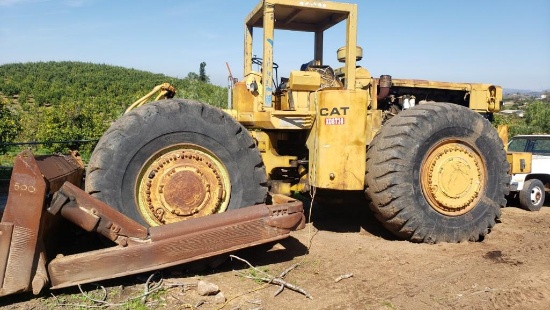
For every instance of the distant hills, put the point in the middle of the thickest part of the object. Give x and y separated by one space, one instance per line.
511 91
49 83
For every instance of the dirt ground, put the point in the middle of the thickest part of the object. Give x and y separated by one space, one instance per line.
510 269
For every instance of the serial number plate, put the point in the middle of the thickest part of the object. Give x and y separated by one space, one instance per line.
334 121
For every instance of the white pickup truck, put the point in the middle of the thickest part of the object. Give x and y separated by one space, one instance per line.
531 187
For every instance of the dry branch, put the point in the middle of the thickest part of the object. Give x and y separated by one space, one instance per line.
344 276
272 279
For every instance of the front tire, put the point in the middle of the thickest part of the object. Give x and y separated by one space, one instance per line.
437 173
176 159
531 197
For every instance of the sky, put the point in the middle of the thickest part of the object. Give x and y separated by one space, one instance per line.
503 42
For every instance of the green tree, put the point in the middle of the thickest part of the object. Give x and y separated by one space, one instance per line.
202 73
73 121
537 116
193 76
9 125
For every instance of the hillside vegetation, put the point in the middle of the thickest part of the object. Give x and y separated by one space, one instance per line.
66 101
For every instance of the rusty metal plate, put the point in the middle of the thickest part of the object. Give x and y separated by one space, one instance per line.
23 210
177 243
6 229
92 214
60 168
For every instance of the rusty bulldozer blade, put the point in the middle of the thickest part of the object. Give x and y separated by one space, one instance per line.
20 243
24 265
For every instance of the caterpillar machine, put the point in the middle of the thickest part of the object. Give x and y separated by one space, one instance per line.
177 180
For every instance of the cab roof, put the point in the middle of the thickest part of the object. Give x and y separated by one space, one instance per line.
298 15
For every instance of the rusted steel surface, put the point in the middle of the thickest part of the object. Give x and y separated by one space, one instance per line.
6 230
94 215
293 211
289 219
23 213
179 243
60 168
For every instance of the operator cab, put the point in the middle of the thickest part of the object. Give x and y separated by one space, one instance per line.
264 101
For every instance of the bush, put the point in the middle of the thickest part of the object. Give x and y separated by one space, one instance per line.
9 126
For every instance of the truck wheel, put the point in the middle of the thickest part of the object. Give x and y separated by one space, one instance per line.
176 159
531 197
437 173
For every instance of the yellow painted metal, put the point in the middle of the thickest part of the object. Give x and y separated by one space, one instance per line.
314 16
502 131
363 78
244 99
304 80
181 182
271 158
374 123
292 119
248 32
165 90
301 100
483 97
265 142
520 162
341 53
281 187
452 177
337 141
351 51
267 65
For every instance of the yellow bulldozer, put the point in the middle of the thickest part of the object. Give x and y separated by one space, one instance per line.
425 154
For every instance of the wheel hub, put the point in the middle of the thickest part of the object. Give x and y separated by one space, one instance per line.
536 195
452 177
182 182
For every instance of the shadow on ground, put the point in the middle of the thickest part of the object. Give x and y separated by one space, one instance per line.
351 214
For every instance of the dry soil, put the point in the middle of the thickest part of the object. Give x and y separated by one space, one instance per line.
510 269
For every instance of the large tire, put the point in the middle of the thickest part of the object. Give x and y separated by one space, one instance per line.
437 173
531 197
176 159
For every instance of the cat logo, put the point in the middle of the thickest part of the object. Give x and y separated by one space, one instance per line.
334 111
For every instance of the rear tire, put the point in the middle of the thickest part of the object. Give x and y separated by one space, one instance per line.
176 159
531 197
437 173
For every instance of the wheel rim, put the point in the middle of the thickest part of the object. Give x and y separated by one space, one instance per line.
452 177
536 195
181 182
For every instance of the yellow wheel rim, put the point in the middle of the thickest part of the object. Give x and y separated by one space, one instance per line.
181 182
452 177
